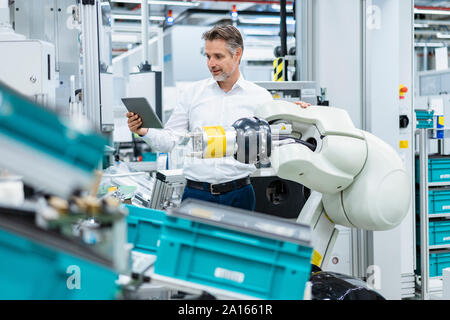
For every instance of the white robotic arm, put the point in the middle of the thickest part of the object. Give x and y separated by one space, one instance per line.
362 179
357 180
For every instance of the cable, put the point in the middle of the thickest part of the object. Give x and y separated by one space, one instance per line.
307 144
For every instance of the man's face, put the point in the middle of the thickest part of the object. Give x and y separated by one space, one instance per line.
221 63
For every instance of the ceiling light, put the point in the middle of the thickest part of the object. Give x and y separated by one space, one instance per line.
444 12
433 22
429 44
421 25
257 32
277 7
265 20
135 17
443 35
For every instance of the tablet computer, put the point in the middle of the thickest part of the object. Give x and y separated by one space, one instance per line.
144 110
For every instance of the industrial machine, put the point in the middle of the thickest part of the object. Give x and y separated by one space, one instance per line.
357 179
354 176
25 64
60 230
306 91
147 82
77 242
275 195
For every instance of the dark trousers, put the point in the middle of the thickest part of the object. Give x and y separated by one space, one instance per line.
243 198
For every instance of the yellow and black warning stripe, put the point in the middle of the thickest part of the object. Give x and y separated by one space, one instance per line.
278 73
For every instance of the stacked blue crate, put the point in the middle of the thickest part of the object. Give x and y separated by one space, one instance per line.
235 250
144 228
438 209
201 248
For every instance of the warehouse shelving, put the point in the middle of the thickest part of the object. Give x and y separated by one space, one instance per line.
425 134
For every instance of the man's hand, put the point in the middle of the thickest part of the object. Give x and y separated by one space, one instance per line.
302 104
135 123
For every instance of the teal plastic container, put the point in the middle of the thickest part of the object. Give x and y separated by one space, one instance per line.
424 118
32 271
144 228
438 169
149 156
439 261
231 259
48 132
438 232
438 201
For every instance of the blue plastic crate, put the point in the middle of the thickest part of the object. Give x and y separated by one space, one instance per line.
31 270
195 250
439 261
48 132
424 118
438 232
149 156
438 201
144 228
438 169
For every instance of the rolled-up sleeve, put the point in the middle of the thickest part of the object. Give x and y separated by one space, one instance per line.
164 140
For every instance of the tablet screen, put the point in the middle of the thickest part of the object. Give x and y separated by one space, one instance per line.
144 110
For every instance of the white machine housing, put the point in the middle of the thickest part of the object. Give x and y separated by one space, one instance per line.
363 180
26 65
147 85
29 67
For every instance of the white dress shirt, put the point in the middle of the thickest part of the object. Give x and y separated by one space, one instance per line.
204 103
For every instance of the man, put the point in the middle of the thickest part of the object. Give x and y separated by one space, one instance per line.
217 101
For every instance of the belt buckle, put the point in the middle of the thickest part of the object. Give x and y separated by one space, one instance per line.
211 190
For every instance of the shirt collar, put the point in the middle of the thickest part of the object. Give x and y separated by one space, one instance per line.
241 82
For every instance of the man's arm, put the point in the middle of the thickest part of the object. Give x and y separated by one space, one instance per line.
163 140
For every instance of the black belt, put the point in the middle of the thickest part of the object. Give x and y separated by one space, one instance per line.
219 188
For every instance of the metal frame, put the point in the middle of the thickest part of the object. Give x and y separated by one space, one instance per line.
195 288
49 178
303 52
362 244
424 135
423 171
412 134
91 68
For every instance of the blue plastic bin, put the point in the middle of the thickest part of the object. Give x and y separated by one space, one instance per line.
197 251
438 169
48 132
424 118
438 201
144 228
149 156
31 270
439 261
438 232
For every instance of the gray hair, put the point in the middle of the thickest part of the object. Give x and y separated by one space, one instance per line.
229 33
